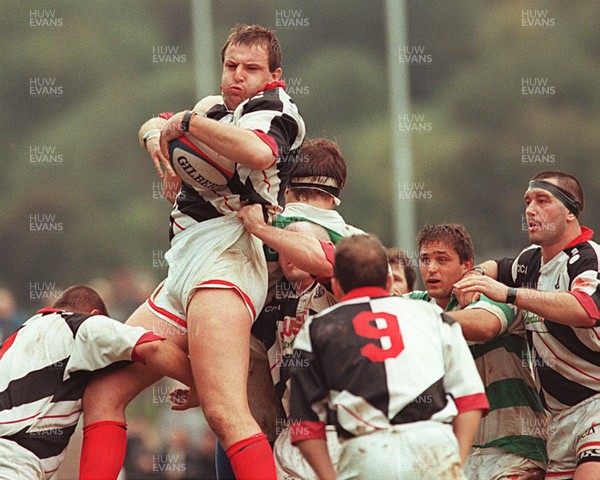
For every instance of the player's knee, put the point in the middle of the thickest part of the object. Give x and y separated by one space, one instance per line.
220 419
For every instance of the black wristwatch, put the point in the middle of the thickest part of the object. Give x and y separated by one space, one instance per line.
478 269
511 295
185 123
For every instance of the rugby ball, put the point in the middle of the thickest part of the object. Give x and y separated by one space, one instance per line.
198 165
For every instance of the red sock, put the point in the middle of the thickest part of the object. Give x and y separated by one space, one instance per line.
103 450
252 458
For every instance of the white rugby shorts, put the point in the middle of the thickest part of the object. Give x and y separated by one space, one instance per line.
498 464
18 463
217 253
291 464
574 438
425 450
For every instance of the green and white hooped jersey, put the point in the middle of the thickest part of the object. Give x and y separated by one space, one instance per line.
517 421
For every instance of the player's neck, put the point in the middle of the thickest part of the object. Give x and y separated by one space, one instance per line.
443 302
551 251
303 286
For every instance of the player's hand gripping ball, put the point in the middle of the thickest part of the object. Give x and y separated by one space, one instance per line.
198 165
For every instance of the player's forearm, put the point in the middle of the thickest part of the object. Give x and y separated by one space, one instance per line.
490 267
560 307
478 325
316 454
168 359
207 103
305 252
465 427
155 123
237 144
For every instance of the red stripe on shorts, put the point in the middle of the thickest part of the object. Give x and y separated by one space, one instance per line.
166 313
226 284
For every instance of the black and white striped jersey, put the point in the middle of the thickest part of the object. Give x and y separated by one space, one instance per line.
44 369
378 361
566 359
274 117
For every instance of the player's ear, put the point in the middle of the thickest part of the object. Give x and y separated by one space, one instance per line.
276 74
469 264
389 281
95 311
571 217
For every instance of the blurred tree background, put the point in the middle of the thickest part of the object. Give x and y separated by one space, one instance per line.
507 89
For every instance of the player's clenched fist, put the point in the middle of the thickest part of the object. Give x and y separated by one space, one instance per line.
183 398
170 131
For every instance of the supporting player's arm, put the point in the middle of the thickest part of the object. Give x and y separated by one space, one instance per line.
465 427
477 325
316 454
463 382
561 307
167 358
485 319
303 251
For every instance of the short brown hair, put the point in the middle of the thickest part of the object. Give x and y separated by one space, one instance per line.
360 261
242 34
398 257
320 158
81 299
452 234
565 181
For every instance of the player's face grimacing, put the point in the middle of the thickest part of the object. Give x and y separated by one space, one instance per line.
245 72
546 217
441 268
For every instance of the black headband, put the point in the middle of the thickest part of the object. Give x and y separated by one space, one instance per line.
564 197
326 188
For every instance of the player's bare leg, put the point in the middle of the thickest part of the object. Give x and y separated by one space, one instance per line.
262 397
588 471
106 398
219 337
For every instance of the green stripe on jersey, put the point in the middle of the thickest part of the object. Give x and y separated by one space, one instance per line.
512 392
511 343
523 445
283 221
